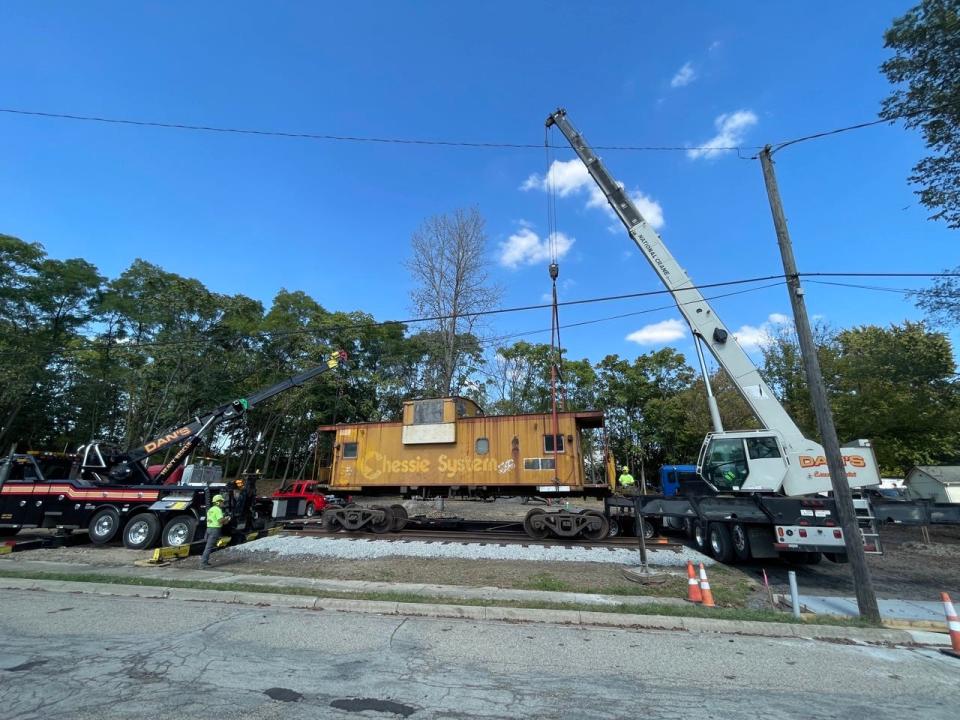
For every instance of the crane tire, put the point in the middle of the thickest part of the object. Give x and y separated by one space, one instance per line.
740 536
720 542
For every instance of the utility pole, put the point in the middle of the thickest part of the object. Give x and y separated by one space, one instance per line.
866 598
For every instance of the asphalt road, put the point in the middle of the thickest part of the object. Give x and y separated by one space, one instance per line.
78 656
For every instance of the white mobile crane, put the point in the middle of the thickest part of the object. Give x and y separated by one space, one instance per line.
766 481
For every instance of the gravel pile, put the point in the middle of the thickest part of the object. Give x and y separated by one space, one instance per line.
294 546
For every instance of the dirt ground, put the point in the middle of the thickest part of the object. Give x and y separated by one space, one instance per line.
908 569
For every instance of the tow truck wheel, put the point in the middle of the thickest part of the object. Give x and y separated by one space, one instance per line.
310 509
399 517
103 526
741 542
141 532
614 530
384 525
721 546
179 530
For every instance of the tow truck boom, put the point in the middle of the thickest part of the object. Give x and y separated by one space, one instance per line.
127 466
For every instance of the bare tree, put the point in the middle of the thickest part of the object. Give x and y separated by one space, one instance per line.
452 283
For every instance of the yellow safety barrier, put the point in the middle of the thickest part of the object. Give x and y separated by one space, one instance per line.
275 530
223 542
163 554
252 536
4 549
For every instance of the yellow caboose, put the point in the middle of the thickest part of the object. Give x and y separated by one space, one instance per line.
448 443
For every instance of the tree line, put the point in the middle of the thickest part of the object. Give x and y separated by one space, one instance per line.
86 357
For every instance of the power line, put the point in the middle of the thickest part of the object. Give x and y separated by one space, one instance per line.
340 138
340 327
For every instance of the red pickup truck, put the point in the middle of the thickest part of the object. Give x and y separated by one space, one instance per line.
308 490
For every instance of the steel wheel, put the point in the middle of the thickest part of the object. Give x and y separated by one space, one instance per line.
399 517
386 524
141 532
741 541
599 529
103 526
614 527
536 532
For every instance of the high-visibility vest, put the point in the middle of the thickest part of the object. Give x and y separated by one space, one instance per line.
214 517
626 479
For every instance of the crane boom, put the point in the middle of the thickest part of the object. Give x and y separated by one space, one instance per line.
703 321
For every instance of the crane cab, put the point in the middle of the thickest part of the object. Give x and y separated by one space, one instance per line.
752 461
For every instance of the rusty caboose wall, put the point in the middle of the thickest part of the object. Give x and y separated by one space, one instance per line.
464 449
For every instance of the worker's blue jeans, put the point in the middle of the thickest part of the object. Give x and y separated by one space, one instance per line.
213 534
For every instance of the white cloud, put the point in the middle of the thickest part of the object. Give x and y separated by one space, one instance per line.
571 177
715 45
684 76
753 337
658 333
565 177
731 129
525 247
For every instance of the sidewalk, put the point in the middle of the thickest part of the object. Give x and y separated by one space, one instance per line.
225 576
889 609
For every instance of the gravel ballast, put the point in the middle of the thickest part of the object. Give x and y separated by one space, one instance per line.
292 545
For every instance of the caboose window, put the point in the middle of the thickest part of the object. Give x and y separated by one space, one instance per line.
548 443
538 464
350 450
483 446
427 412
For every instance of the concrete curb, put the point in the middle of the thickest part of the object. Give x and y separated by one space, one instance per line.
473 612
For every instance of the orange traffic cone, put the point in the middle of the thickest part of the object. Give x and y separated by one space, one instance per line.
953 626
705 588
693 587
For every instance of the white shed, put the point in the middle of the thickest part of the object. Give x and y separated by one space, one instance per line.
940 483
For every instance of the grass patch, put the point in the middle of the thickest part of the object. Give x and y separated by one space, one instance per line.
731 613
730 588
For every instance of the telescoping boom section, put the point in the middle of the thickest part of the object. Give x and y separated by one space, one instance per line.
776 459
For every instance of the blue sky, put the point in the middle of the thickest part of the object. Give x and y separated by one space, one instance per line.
254 214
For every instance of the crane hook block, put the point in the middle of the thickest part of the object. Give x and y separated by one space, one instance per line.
554 271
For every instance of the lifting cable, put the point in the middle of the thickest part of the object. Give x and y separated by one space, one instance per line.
556 350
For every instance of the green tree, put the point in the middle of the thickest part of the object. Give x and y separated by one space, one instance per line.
941 303
897 387
925 69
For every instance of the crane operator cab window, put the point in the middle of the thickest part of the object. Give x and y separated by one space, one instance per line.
726 467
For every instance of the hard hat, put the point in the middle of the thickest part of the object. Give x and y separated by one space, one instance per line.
624 469
217 498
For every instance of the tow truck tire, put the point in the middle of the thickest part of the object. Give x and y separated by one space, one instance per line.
141 531
721 545
179 530
103 526
310 509
688 528
740 535
614 530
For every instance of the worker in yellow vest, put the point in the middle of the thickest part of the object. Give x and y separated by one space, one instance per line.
216 519
626 480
